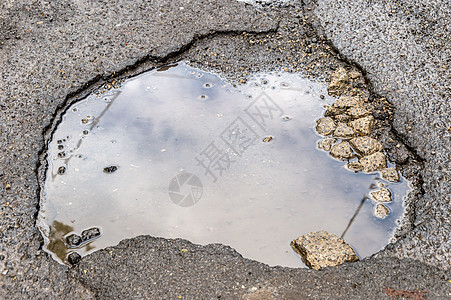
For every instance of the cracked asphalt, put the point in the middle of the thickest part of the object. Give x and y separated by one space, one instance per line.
53 54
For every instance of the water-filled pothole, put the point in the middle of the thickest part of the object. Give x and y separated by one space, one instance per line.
180 153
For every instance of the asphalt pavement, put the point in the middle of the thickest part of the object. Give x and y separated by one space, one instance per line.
52 54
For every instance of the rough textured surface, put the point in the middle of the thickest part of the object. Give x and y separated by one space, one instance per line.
404 48
51 54
320 249
365 145
374 162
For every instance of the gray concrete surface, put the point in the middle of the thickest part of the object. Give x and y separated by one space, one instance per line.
53 54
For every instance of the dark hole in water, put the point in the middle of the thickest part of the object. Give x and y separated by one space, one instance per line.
178 152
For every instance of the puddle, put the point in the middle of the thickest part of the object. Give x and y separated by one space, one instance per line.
179 153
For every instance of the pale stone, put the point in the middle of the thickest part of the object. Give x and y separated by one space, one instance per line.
326 143
339 81
347 102
381 211
363 126
390 174
365 145
321 249
358 112
382 195
344 131
342 151
373 162
354 166
325 126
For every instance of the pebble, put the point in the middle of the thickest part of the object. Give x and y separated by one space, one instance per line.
342 151
373 162
363 126
365 145
381 211
325 126
382 195
326 143
344 131
322 249
390 174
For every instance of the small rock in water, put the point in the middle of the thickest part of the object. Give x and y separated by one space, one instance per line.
390 174
381 211
344 131
325 126
110 169
321 249
365 145
267 139
89 234
326 143
382 195
73 258
373 162
342 151
73 241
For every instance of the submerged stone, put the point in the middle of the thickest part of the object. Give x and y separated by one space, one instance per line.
365 145
382 195
325 126
322 249
373 162
342 151
390 174
381 211
363 126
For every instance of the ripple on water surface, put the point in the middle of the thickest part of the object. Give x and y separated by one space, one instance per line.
180 153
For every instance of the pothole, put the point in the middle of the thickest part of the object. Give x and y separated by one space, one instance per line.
180 153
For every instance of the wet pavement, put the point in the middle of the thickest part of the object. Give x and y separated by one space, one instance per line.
53 55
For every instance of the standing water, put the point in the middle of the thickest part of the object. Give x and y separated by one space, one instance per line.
180 153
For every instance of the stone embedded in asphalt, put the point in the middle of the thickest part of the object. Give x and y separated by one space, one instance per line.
373 162
73 258
365 145
333 111
344 131
339 81
325 126
381 211
382 195
358 112
326 143
322 249
342 151
390 174
342 118
363 126
348 102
